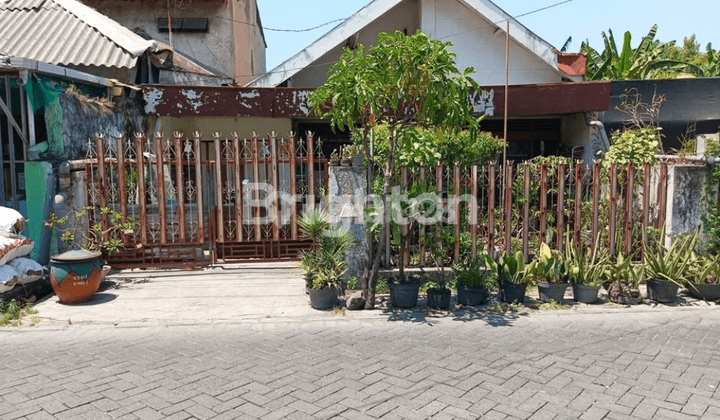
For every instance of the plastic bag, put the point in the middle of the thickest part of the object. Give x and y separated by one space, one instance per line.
28 270
8 278
11 221
11 248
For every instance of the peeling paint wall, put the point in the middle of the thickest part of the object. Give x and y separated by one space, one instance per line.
244 126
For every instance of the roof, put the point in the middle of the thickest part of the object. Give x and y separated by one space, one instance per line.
377 8
572 64
66 32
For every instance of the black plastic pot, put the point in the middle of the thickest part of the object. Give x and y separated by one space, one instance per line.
511 292
438 298
662 291
325 298
584 293
551 291
471 296
705 291
405 294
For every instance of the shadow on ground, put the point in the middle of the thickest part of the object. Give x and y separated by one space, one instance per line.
492 313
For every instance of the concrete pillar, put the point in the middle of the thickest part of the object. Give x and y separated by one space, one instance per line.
686 185
348 188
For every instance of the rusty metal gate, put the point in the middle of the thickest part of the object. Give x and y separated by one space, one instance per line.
197 202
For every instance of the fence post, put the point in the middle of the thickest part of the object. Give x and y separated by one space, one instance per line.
596 202
543 201
293 187
160 168
199 187
629 207
102 181
662 198
140 167
613 207
561 207
491 209
646 203
473 212
238 176
406 248
508 205
311 170
421 245
456 210
526 210
180 186
578 201
275 185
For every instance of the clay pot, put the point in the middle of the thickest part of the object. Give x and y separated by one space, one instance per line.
75 276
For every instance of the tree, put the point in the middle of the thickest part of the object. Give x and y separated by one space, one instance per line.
651 59
404 82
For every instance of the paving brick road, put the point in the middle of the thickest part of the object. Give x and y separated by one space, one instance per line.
663 365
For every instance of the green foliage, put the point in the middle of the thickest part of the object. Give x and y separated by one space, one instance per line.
711 215
638 146
324 265
706 269
587 265
651 59
104 235
12 312
512 268
477 272
550 266
553 305
675 264
624 271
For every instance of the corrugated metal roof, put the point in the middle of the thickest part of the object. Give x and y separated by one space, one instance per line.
66 32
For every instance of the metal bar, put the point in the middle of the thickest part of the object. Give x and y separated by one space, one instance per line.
11 142
578 202
293 187
102 182
220 224
596 203
238 188
199 187
613 207
160 167
662 196
543 201
180 187
274 172
421 228
311 170
646 203
526 211
3 198
142 205
31 122
560 207
24 120
439 186
629 207
456 210
473 210
404 227
256 191
122 187
508 205
491 209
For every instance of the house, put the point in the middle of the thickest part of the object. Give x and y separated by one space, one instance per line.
223 36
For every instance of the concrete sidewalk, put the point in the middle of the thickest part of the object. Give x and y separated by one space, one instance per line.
229 294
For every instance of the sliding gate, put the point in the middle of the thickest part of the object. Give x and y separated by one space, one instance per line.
197 202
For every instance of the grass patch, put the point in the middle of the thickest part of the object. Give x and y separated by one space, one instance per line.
13 312
554 306
495 307
338 311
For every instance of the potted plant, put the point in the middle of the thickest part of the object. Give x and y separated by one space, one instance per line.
356 154
551 273
324 265
76 275
622 281
438 246
586 269
334 158
346 156
667 270
474 280
512 277
704 280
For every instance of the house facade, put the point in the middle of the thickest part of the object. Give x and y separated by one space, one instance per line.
223 36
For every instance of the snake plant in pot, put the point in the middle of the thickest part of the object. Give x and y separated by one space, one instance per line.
667 270
475 280
325 264
551 273
622 280
513 277
587 267
704 279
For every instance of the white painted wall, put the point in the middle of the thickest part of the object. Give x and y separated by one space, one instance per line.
477 45
401 17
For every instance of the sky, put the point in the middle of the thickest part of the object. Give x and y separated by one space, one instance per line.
581 19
